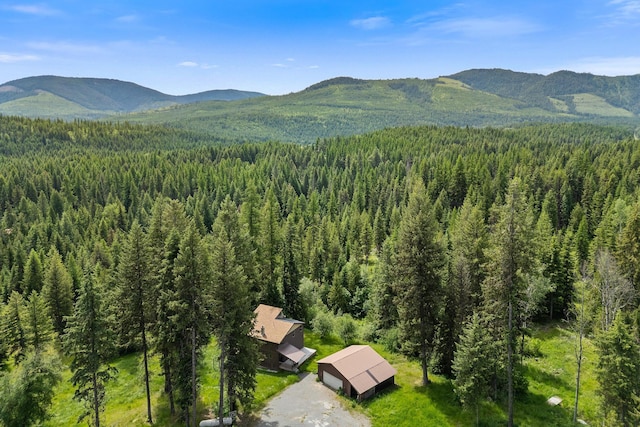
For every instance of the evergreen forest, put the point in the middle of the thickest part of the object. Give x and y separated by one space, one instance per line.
450 247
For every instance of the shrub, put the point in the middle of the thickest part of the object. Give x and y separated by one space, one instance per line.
322 324
347 329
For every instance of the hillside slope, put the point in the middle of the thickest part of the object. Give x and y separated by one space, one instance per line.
93 98
347 106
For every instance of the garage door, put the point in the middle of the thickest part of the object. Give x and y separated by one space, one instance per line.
333 382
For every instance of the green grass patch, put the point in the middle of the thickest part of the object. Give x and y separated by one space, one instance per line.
408 403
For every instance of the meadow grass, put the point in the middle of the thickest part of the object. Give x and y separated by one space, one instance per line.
408 403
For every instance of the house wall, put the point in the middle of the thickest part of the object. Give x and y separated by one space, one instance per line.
324 367
270 356
295 337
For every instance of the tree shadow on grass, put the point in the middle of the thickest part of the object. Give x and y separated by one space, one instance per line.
533 410
549 379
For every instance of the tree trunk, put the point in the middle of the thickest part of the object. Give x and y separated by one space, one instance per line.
194 386
96 403
423 362
221 401
168 384
579 359
146 373
510 366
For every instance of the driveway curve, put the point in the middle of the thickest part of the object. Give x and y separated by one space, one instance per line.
309 403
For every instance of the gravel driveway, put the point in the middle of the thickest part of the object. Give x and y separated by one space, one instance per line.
309 403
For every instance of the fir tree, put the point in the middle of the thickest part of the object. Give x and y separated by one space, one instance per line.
33 274
191 317
290 273
474 363
417 272
13 327
136 296
37 325
57 291
87 341
511 258
232 319
618 370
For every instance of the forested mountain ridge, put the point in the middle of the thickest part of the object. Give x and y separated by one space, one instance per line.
340 106
559 91
348 106
69 98
326 230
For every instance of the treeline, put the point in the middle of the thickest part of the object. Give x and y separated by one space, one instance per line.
448 241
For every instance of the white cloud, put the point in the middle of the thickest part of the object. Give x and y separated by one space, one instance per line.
373 23
8 58
34 9
485 27
127 19
279 65
314 67
64 47
188 64
625 12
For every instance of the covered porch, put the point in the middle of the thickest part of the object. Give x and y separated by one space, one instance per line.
291 357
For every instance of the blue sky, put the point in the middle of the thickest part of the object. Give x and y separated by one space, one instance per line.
282 46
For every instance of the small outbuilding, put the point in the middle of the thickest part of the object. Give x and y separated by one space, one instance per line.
281 338
358 370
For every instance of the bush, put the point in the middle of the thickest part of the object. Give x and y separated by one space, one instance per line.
347 329
322 324
532 347
391 339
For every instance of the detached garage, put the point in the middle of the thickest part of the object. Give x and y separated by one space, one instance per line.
358 370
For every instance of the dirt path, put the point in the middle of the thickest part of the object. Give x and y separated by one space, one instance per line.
309 403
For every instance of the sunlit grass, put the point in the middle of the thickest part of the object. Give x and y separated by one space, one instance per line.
408 403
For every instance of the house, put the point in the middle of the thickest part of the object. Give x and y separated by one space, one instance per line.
358 370
282 339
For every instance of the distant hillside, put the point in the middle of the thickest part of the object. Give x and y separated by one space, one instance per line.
68 98
340 106
558 91
348 106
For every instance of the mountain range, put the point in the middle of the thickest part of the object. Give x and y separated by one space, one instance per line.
71 98
340 106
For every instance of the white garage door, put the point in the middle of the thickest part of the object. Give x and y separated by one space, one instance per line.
331 381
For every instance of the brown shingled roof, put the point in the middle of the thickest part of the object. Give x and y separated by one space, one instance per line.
271 325
361 366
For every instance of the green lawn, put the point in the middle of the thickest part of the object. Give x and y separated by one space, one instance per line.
406 404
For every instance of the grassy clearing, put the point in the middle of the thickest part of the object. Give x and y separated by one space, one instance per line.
550 374
406 404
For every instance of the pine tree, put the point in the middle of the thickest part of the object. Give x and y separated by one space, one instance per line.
232 319
13 327
37 325
618 369
33 274
192 287
57 291
166 330
136 296
270 241
511 258
290 273
417 272
88 343
474 363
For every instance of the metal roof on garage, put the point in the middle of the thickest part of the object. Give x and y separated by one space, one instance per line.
361 366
